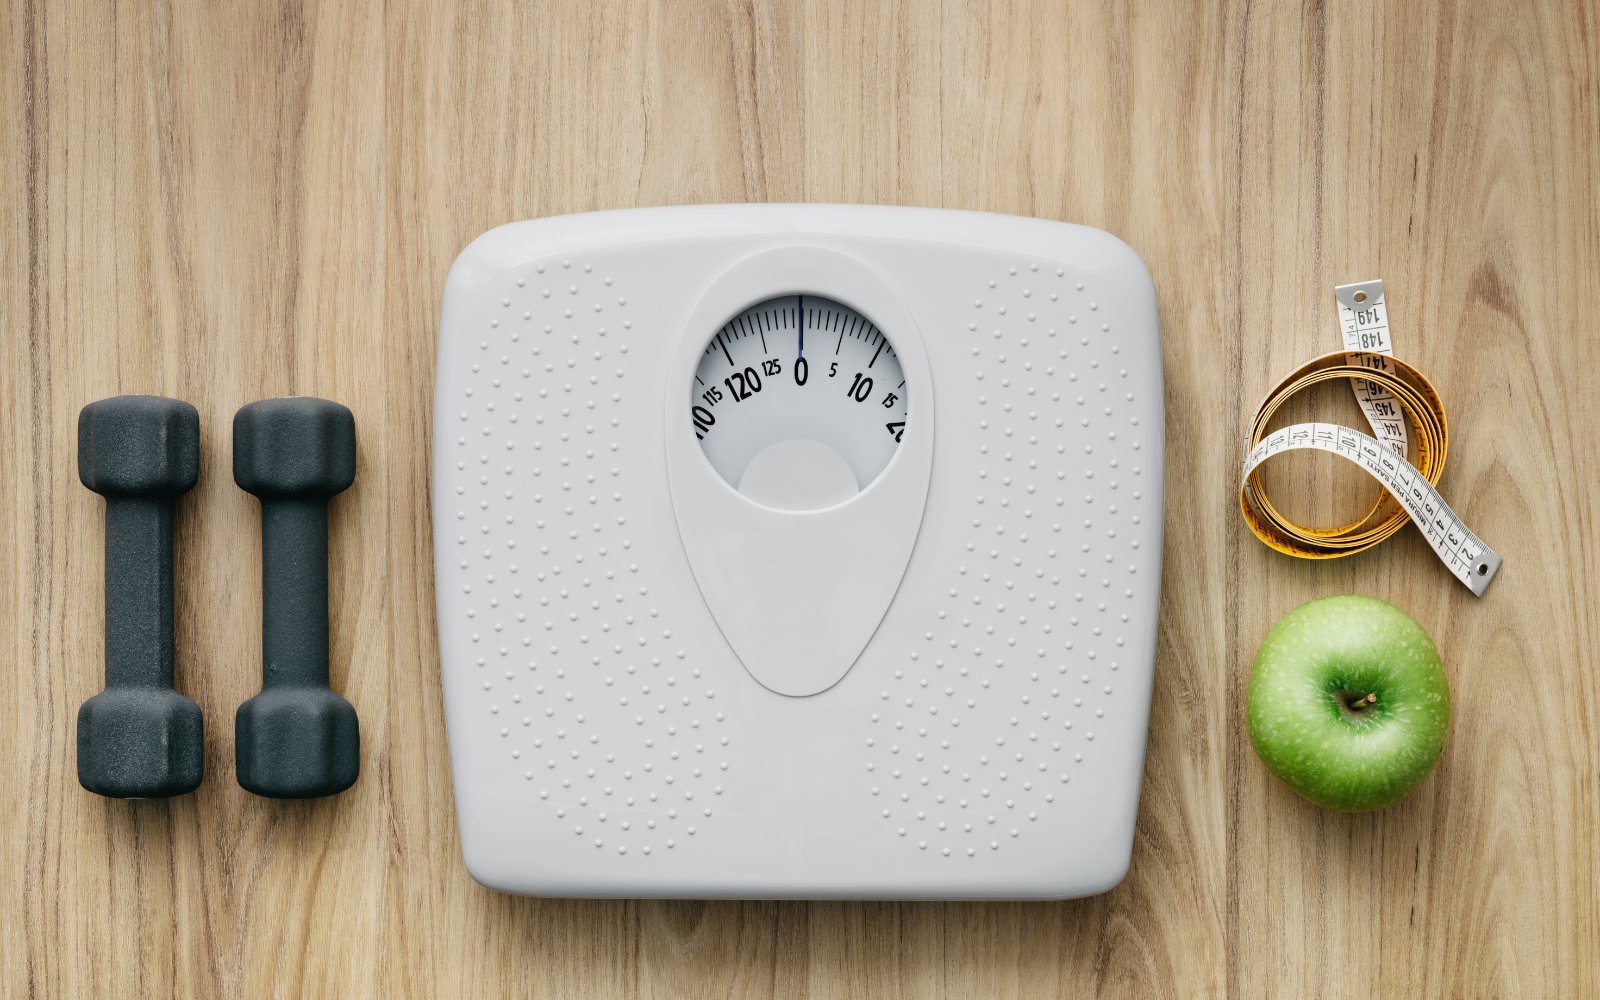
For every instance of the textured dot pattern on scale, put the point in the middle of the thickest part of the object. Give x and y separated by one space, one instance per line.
1029 635
562 622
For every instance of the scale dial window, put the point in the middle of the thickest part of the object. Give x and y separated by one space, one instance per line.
799 402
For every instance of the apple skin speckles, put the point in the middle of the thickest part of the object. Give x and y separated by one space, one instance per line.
1312 666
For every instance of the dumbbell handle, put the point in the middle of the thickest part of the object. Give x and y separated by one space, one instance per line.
294 592
139 623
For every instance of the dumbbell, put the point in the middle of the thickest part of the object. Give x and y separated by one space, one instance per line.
297 739
139 738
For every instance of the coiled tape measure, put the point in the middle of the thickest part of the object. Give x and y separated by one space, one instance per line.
1398 402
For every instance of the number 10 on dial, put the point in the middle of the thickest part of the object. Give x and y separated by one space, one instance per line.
789 380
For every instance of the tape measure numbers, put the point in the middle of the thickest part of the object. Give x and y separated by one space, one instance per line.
1400 405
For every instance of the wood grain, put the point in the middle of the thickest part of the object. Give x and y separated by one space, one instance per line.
230 200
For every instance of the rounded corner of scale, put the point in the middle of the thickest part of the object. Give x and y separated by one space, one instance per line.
1117 255
1111 875
486 864
496 251
1101 876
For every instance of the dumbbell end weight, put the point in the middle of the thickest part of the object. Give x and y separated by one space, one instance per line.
298 738
140 743
139 738
297 743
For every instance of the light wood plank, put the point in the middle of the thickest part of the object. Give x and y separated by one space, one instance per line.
228 201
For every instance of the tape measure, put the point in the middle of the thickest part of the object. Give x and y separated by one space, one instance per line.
1399 403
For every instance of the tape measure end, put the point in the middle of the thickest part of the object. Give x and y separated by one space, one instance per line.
1359 294
1480 576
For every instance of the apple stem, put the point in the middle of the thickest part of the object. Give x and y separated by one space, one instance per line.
1364 701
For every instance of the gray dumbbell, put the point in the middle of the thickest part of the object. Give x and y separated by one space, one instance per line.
139 738
297 739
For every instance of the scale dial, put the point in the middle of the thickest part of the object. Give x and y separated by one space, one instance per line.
799 402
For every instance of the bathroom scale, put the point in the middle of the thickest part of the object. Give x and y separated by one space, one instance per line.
797 551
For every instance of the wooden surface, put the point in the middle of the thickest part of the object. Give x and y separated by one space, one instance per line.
230 200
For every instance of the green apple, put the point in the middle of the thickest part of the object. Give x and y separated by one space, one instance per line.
1348 702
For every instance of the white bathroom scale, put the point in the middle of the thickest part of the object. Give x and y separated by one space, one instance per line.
797 551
